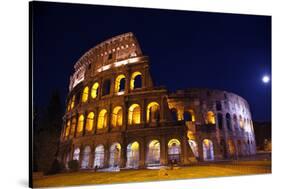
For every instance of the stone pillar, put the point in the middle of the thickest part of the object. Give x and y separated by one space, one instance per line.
84 123
143 113
109 119
200 149
106 155
123 158
142 154
96 116
162 109
163 151
92 157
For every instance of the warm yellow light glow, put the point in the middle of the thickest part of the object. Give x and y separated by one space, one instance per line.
153 111
80 124
206 143
117 116
117 83
231 147
102 119
85 94
174 141
132 81
135 146
134 114
190 135
210 118
154 144
67 128
68 105
72 102
94 91
90 121
241 124
73 125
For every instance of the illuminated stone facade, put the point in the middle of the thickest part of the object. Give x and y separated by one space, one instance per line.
116 117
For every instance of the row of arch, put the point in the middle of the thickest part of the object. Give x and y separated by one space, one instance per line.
210 118
134 118
132 153
119 88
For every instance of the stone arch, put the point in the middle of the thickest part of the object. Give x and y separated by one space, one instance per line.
133 155
94 91
189 115
80 125
99 156
114 155
174 150
136 80
106 85
152 112
85 94
76 153
117 117
208 150
223 148
228 121
210 118
231 147
153 153
134 116
102 119
120 82
90 122
86 157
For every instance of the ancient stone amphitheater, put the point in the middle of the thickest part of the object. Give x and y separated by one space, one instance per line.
117 118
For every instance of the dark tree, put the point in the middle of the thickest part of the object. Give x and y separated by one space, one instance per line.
47 134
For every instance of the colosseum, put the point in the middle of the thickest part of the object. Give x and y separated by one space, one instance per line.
117 118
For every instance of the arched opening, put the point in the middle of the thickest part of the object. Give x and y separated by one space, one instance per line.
218 106
136 81
134 114
102 119
231 147
174 113
194 147
220 121
241 124
90 122
106 87
187 116
208 150
72 102
115 153
67 129
153 155
94 91
73 126
210 118
228 121
85 94
152 112
99 157
76 154
120 83
117 117
80 125
133 155
174 150
86 157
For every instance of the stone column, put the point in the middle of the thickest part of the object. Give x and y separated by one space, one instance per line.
163 151
96 116
106 155
142 153
143 113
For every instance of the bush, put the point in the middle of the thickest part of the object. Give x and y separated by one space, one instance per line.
73 165
56 167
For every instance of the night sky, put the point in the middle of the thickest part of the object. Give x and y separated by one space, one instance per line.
187 49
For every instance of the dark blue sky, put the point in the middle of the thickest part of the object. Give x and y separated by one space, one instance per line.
186 49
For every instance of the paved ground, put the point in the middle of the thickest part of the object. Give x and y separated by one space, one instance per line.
226 168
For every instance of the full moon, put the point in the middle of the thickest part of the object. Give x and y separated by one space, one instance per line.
265 79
